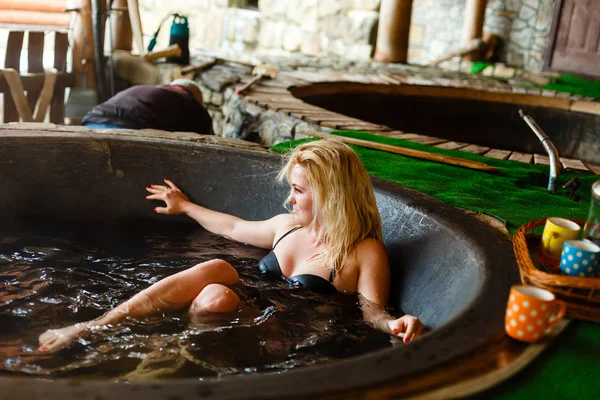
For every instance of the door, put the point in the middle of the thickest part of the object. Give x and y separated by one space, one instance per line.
574 43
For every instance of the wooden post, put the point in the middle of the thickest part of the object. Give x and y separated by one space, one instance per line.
136 25
473 25
83 47
121 26
393 31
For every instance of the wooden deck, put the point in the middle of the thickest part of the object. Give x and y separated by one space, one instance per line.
276 95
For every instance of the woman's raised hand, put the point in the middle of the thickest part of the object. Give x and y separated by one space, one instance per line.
408 325
173 197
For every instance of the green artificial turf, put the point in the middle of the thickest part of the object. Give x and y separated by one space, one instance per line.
563 83
575 85
517 193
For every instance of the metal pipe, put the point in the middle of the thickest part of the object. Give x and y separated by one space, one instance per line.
98 29
111 60
550 149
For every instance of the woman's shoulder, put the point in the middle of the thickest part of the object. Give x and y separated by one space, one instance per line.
370 248
283 222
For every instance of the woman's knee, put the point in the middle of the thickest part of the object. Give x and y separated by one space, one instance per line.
215 298
219 271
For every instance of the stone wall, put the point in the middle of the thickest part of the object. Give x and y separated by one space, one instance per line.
319 27
315 27
522 25
348 28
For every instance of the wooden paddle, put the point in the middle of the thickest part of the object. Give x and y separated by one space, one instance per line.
405 152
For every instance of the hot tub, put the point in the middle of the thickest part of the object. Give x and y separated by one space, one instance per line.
488 119
449 269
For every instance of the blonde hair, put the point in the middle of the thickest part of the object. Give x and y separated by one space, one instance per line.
344 207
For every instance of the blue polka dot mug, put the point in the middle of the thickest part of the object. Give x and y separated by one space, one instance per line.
579 258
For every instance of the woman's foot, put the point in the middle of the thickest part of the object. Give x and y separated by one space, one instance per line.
56 339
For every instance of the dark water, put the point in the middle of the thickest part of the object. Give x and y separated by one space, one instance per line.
56 273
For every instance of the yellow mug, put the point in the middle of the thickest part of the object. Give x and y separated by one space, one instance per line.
556 232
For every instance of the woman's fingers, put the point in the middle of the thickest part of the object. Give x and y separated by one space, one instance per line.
413 330
156 196
171 184
157 187
161 210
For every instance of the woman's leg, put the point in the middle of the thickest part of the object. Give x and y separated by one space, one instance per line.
215 298
171 293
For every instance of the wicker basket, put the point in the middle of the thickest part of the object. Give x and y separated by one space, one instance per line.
582 295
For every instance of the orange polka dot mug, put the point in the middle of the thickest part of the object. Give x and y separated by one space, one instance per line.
531 312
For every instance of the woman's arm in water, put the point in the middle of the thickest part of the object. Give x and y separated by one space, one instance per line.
373 287
256 233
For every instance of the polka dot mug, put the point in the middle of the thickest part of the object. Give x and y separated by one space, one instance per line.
531 312
556 231
579 258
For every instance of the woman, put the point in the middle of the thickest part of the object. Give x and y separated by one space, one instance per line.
331 241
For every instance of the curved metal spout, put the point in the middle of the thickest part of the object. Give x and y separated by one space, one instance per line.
550 149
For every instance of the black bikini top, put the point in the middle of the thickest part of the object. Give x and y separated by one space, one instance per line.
270 265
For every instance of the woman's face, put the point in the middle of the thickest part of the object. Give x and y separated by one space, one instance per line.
301 196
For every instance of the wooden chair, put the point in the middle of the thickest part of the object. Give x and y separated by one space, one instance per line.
43 88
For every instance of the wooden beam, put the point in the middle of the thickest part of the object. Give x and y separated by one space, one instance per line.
451 145
12 60
35 53
425 155
57 107
122 33
473 25
521 157
34 5
83 50
393 31
35 18
35 81
499 154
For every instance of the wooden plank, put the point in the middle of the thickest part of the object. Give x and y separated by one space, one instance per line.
589 107
400 78
364 128
541 159
423 139
269 90
475 149
35 53
273 100
451 145
573 164
499 154
33 27
425 155
328 124
595 169
393 134
389 79
35 81
57 107
521 157
12 59
339 120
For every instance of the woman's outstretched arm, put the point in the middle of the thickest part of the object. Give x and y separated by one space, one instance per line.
256 233
374 287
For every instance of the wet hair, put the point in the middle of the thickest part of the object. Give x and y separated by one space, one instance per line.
344 207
